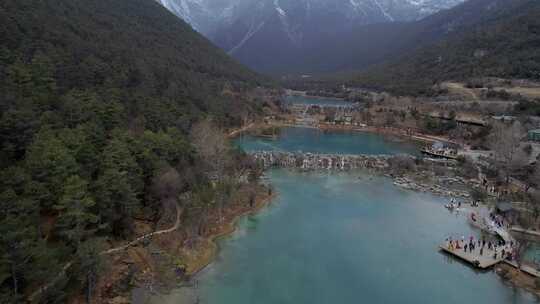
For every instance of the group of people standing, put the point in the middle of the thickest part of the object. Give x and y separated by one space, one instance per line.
497 249
498 220
454 204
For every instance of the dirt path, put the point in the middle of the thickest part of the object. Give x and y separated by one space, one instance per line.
240 130
149 235
138 240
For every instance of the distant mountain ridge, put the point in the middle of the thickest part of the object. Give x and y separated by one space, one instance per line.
502 41
365 46
393 39
258 33
201 13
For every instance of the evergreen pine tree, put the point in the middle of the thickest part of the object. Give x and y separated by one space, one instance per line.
76 218
117 201
90 263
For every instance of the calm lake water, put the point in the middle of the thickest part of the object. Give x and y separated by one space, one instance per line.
306 100
343 238
318 141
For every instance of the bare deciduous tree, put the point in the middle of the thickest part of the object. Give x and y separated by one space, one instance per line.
505 142
167 186
168 183
212 146
401 164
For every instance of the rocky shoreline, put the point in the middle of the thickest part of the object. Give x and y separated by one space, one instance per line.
377 163
313 161
409 184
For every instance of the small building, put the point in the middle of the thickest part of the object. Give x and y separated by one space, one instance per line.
504 118
534 135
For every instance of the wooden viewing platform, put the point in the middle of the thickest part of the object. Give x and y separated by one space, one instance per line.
474 258
487 260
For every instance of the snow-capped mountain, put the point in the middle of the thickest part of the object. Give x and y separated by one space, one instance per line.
202 15
254 30
207 15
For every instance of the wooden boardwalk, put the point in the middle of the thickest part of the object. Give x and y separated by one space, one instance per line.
525 231
525 268
484 261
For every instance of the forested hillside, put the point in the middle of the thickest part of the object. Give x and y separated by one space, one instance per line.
97 99
505 44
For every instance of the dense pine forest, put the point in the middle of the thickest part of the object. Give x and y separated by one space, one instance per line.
97 101
504 44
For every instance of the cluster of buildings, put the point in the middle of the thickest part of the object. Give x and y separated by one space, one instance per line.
310 114
533 135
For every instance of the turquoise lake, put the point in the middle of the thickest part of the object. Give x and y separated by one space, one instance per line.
318 141
344 238
321 101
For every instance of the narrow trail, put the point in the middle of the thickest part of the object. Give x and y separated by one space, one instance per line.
237 131
149 235
138 240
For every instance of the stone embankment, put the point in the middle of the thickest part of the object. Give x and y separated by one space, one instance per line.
345 162
434 188
310 161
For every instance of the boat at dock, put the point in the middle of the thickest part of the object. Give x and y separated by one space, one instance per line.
441 151
446 154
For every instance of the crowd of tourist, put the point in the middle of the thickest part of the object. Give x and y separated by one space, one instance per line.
496 249
499 220
504 248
